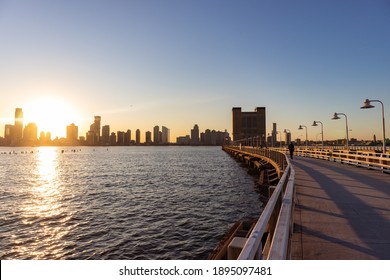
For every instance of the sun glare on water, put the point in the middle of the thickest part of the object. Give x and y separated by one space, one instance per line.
50 115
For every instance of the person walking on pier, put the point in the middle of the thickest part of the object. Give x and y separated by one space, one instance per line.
291 149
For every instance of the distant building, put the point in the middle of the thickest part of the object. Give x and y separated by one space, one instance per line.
72 134
42 136
45 138
183 140
95 128
8 134
91 138
106 135
48 136
120 141
249 124
113 139
18 127
287 137
165 135
207 137
274 135
127 138
148 137
195 135
30 134
137 137
156 131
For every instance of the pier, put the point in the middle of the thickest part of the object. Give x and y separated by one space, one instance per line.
327 205
341 211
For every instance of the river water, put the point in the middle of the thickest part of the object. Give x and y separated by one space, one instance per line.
120 202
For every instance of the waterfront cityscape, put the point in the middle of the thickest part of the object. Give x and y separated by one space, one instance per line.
245 125
18 134
194 130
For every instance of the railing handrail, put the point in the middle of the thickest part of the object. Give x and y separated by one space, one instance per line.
280 205
366 159
252 246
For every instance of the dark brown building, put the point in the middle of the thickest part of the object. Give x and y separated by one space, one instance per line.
249 124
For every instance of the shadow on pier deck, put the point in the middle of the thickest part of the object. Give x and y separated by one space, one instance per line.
341 212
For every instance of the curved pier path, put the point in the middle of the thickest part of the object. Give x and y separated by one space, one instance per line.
341 212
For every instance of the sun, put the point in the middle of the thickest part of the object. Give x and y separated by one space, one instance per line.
50 115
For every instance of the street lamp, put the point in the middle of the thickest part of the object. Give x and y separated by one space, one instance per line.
367 105
301 127
315 123
336 117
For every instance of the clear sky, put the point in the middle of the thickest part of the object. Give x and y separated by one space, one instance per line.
179 63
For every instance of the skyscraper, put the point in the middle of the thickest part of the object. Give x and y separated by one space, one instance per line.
106 135
287 138
18 127
127 138
137 137
195 135
165 135
156 131
94 132
249 124
113 139
72 134
120 138
30 134
97 123
274 135
8 134
148 137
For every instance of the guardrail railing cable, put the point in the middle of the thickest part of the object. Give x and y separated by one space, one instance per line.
277 216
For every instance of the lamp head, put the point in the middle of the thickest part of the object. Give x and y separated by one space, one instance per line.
335 117
300 127
314 123
367 105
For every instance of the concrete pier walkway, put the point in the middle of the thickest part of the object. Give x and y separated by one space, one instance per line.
341 212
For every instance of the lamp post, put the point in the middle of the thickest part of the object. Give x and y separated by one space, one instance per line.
367 105
336 117
315 123
301 127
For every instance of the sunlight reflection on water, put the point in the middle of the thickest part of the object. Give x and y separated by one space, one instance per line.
41 206
120 203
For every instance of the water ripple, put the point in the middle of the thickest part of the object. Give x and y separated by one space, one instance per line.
121 203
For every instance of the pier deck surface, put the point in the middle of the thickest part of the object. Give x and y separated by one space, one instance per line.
341 212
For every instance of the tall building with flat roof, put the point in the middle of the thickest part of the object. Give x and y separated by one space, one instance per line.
148 137
249 124
106 135
18 127
8 134
165 135
274 135
137 137
97 125
72 133
30 134
156 137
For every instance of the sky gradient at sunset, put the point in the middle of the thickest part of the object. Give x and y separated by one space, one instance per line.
178 63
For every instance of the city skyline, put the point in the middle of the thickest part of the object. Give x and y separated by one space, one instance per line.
248 128
23 133
139 63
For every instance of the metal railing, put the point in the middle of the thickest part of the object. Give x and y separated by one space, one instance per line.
364 158
277 216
